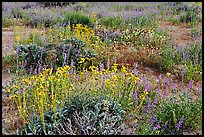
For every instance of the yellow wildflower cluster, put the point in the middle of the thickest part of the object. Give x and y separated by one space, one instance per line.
53 89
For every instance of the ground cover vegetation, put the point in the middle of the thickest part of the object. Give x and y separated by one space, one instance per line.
102 68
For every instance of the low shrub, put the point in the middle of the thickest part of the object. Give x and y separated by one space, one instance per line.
71 18
95 116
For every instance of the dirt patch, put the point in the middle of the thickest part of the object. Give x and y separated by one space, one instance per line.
181 34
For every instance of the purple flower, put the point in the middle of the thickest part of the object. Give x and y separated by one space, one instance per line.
77 77
179 123
135 125
24 64
101 66
152 120
17 50
183 72
183 55
198 33
135 95
166 125
108 64
51 66
196 58
163 94
147 87
148 106
143 81
170 42
39 68
192 34
31 69
79 50
35 72
190 84
159 77
72 64
155 100
135 70
167 82
156 127
172 54
65 57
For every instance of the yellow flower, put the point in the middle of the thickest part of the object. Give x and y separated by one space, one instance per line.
9 90
146 93
107 81
17 38
113 84
82 60
123 69
142 97
115 77
41 93
71 85
136 79
67 68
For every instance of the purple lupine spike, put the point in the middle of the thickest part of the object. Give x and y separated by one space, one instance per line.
39 68
190 84
148 106
35 72
79 50
17 49
174 86
31 69
157 126
72 64
163 94
183 73
159 78
179 123
65 57
171 42
192 34
24 64
108 64
152 120
147 88
101 67
166 125
167 83
135 125
86 73
198 33
183 55
144 81
135 69
77 77
135 95
172 54
155 100
196 58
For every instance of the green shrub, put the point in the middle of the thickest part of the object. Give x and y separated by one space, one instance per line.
88 115
111 21
72 18
54 54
